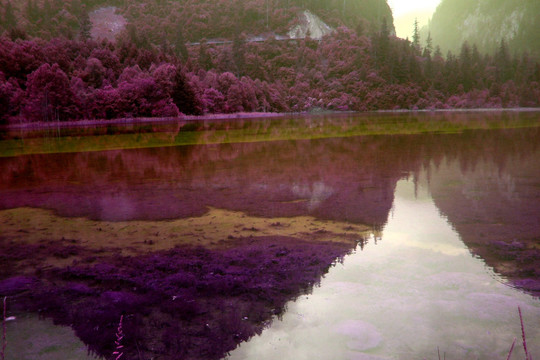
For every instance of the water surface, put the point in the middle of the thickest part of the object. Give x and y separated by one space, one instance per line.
417 290
331 237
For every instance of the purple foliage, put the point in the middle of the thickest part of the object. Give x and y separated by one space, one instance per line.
17 284
192 303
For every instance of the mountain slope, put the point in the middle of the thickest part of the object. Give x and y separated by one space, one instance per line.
196 19
486 23
191 20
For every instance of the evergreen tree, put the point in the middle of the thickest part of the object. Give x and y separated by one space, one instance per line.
503 62
47 11
238 54
184 96
465 62
359 29
428 50
438 52
416 37
85 26
428 65
32 12
382 44
205 61
180 44
9 19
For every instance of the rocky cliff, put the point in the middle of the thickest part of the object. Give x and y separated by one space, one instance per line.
486 23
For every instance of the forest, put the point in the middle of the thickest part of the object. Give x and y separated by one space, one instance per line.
52 69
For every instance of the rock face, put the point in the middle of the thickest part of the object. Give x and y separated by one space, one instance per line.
106 23
485 23
310 25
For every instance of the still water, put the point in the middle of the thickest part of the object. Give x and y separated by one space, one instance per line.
417 290
394 236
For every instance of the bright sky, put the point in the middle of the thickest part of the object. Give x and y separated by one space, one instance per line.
405 11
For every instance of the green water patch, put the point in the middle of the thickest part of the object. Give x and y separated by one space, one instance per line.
203 132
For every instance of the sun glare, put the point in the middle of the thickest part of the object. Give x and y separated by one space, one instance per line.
405 13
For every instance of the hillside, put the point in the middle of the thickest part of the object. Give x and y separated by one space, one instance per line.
161 21
486 23
174 58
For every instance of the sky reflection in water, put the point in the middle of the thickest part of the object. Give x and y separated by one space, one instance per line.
416 290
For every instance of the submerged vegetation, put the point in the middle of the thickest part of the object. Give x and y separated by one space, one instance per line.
25 141
187 302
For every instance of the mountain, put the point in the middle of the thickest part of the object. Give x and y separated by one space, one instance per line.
167 58
191 20
486 23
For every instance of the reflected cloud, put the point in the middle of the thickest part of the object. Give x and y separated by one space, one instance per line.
316 193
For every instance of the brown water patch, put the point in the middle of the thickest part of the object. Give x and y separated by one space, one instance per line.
217 228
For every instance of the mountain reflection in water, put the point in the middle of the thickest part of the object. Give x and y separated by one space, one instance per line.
418 290
132 229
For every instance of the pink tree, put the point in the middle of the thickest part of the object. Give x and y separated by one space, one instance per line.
10 97
49 96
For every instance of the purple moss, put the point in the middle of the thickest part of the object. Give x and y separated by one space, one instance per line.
189 303
16 285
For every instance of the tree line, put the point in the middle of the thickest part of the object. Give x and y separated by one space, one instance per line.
65 78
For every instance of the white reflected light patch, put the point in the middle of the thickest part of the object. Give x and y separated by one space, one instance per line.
417 290
316 193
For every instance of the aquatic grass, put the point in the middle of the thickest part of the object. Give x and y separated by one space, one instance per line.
118 352
4 339
439 354
511 349
527 356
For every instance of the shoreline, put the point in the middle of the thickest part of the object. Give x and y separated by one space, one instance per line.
138 120
234 116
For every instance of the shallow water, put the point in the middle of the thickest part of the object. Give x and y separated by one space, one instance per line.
205 235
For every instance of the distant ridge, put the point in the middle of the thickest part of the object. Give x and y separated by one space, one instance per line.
486 23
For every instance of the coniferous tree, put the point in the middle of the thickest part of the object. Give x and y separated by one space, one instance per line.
359 29
205 61
451 68
416 37
9 20
47 11
238 54
502 62
183 95
465 62
382 44
180 44
32 12
428 49
85 26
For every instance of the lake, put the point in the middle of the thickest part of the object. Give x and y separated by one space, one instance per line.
350 236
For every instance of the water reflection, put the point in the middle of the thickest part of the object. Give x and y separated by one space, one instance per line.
416 290
172 236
